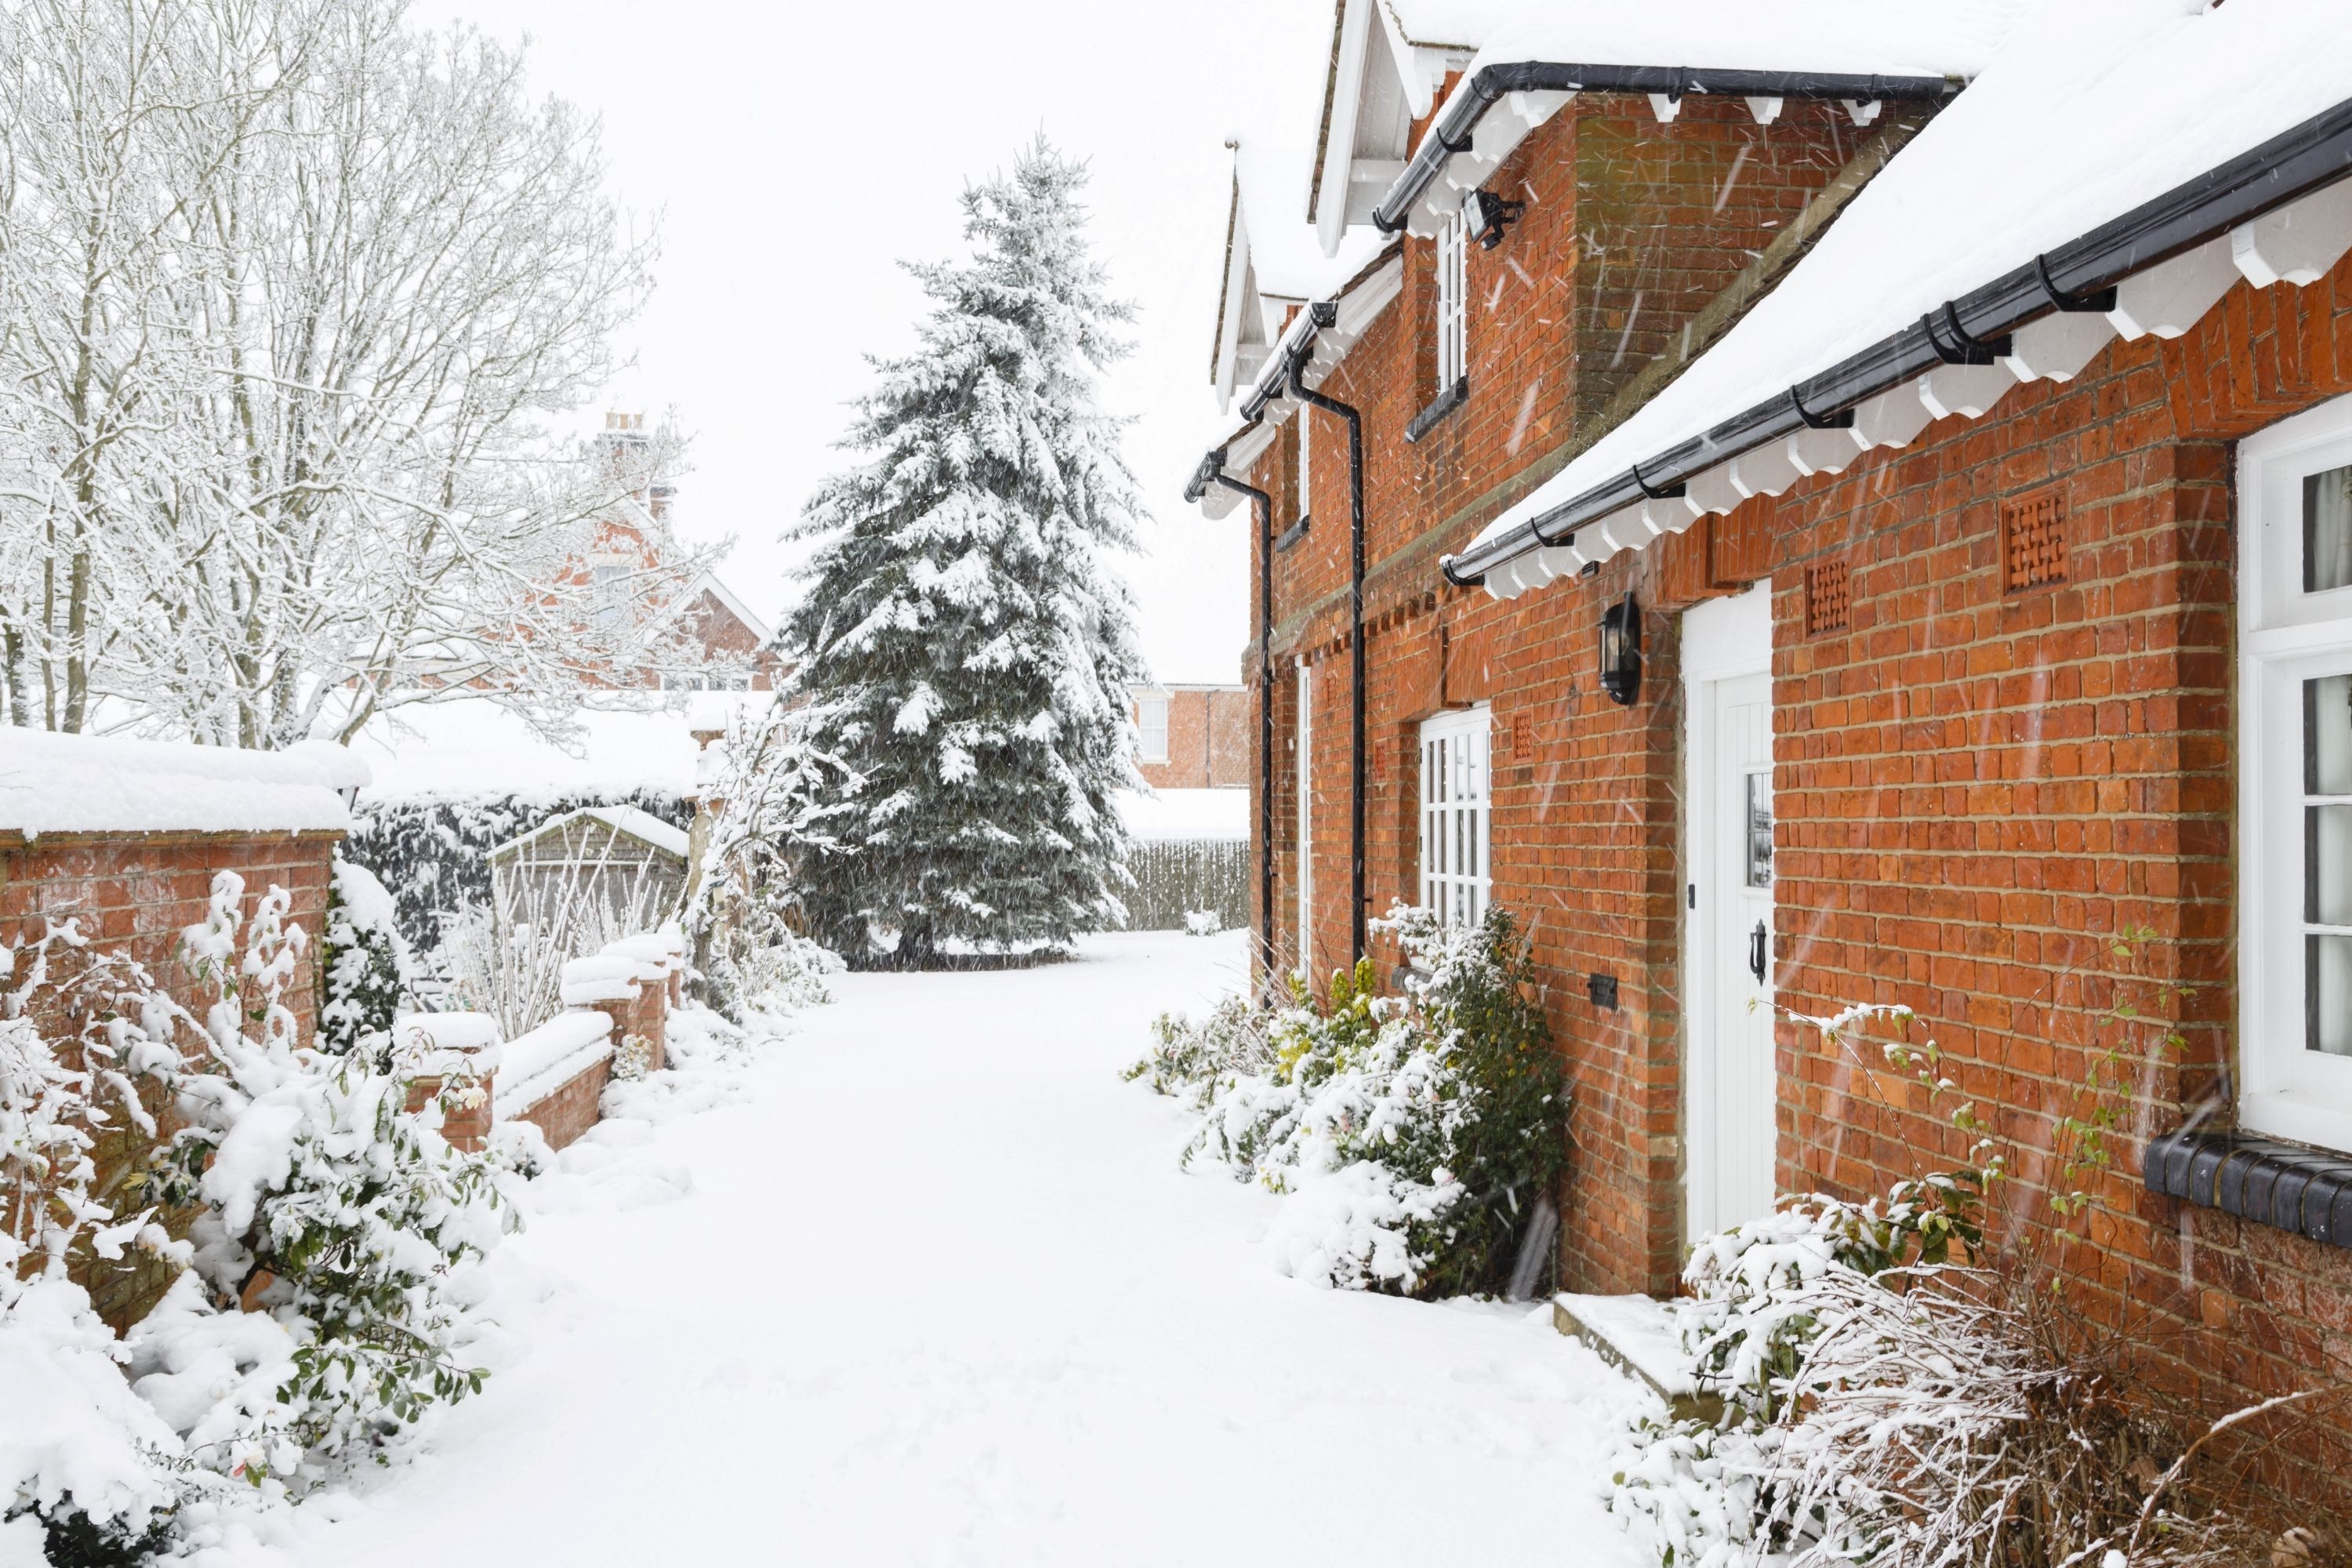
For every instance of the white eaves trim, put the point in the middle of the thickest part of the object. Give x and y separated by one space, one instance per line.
707 583
1357 306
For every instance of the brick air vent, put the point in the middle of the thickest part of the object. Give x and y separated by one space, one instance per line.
1826 597
2033 541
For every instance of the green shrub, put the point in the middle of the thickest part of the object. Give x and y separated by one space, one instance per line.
1417 1138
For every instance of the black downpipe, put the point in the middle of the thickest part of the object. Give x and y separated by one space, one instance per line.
2287 167
1262 504
1299 389
1451 134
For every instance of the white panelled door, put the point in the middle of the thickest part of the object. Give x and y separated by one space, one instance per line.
1732 1091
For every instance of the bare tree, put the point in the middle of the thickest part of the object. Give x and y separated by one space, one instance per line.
295 297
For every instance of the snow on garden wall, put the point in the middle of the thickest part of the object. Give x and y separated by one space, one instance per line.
432 850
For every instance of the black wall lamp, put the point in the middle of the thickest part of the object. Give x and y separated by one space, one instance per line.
1484 215
1621 650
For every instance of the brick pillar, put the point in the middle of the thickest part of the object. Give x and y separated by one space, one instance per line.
466 1125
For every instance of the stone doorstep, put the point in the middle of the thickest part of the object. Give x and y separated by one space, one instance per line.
1636 1334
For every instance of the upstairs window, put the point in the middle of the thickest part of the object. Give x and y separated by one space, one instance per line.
609 590
2295 758
1454 815
1453 304
1152 729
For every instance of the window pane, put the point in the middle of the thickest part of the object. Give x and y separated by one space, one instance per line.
2327 530
1760 830
2327 735
2328 994
2327 864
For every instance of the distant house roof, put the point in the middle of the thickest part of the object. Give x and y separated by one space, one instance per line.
96 784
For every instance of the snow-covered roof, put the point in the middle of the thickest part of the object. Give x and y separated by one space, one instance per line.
1187 814
93 784
1391 58
1319 348
1272 260
1856 37
473 746
638 824
2088 110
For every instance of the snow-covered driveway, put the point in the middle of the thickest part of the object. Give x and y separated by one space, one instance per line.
939 1295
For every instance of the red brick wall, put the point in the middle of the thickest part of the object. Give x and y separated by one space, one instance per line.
136 893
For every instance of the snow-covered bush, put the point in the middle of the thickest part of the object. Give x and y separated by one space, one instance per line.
778 799
364 970
83 1462
325 1202
1885 1403
1203 922
319 1204
1416 1139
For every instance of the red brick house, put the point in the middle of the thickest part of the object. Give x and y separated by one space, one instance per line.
1852 512
726 640
1192 737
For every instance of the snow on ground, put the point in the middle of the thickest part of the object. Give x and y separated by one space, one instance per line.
929 1289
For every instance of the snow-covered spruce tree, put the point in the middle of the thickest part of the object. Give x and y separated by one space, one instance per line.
963 642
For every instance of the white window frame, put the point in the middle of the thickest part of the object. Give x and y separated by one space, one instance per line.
1457 814
1453 303
1307 819
1147 704
2285 636
609 590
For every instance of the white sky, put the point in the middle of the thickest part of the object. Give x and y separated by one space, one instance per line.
794 151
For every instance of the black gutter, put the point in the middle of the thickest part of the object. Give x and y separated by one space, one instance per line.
1213 472
1462 113
1325 315
2077 276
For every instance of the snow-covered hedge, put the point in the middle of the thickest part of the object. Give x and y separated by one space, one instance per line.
434 850
1416 1139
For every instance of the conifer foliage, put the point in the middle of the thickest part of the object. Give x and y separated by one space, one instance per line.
964 645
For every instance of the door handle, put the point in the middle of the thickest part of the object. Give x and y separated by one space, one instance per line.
1757 940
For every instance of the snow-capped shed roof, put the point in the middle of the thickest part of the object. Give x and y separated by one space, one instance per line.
2090 134
105 783
1391 58
642 825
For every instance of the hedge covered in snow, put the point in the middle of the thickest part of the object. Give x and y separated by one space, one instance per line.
1416 1139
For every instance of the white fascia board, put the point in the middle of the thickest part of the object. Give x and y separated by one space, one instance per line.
707 583
1330 215
1235 304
